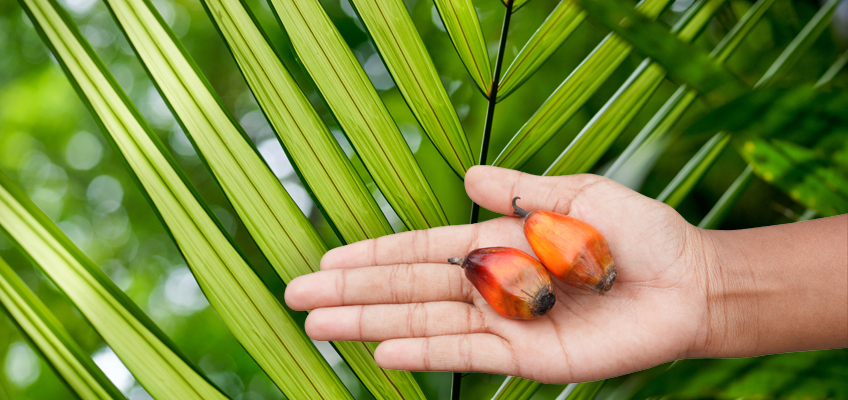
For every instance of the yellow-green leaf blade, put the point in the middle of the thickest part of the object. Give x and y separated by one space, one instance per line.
571 95
694 170
322 163
651 140
516 4
320 160
360 112
591 143
146 352
274 221
383 383
246 306
61 352
463 27
600 133
559 25
514 388
656 132
134 338
409 63
727 200
687 63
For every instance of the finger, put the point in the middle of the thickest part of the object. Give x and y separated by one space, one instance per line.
396 284
391 321
478 352
425 246
494 188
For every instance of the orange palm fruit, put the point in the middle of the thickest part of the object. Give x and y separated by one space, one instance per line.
572 250
512 282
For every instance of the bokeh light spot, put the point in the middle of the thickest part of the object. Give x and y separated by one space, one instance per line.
105 194
182 292
83 151
22 365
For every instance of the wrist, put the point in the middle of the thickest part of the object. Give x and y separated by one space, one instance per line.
729 295
774 289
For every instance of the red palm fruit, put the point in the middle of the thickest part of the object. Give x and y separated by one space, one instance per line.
572 250
512 282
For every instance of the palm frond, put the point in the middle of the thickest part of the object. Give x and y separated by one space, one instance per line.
571 95
254 316
695 168
320 161
409 63
727 200
669 49
558 27
698 166
324 166
460 20
514 388
600 133
154 361
62 353
360 112
655 135
273 219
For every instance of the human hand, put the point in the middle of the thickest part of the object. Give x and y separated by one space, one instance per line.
400 290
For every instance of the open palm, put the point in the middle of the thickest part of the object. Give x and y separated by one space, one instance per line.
400 290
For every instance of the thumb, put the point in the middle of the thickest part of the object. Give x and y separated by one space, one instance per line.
494 188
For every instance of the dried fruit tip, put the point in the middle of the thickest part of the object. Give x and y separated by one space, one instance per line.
543 301
518 210
606 283
457 261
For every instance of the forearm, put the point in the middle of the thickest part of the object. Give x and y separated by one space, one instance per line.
777 289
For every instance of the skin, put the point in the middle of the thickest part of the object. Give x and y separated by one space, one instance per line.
681 292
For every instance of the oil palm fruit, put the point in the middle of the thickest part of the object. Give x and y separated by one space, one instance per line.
512 282
572 250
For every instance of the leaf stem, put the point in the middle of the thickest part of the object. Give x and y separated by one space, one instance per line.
484 151
490 113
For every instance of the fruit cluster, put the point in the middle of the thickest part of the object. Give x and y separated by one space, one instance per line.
519 287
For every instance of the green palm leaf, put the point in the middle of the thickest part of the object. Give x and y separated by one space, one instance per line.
276 223
570 96
600 133
695 168
322 163
409 63
516 4
652 138
360 112
581 391
669 49
559 25
727 200
61 352
338 189
463 27
698 166
247 307
516 389
811 31
145 350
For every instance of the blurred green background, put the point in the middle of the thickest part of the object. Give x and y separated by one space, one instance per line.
51 147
